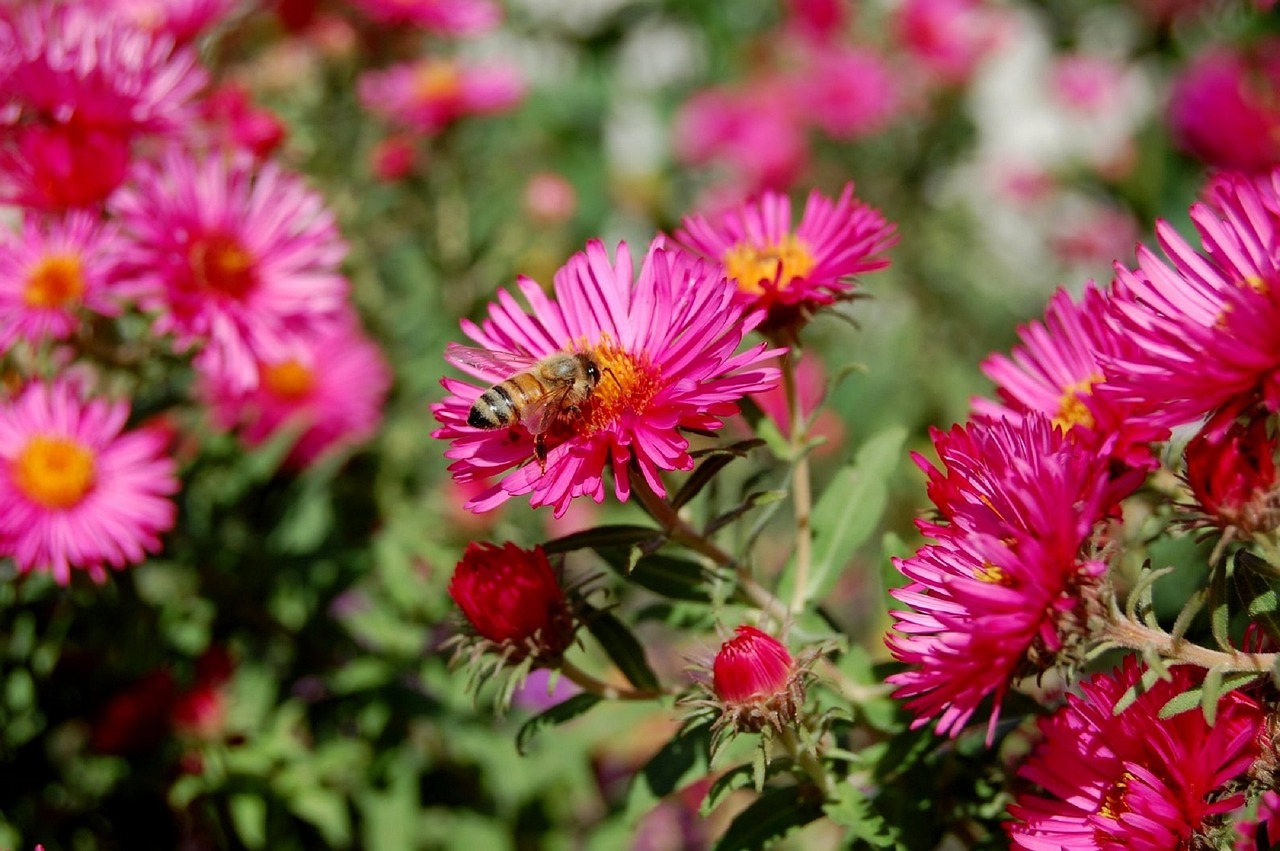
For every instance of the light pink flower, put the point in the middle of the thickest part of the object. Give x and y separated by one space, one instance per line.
76 490
848 92
330 385
181 20
664 344
451 17
948 37
236 123
1225 107
232 258
50 271
429 94
1005 591
1203 325
791 272
1133 781
78 87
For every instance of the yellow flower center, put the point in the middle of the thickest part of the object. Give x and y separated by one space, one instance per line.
994 575
1072 409
752 266
626 385
1113 802
56 281
55 472
436 79
220 263
289 380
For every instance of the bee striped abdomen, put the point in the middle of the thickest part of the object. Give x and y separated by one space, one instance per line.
501 404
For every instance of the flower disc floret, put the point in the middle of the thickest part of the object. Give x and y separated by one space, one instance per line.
666 344
77 491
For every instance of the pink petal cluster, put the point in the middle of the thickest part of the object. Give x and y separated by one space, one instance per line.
1005 588
182 21
450 17
791 271
51 271
330 385
78 491
848 92
948 38
666 342
232 258
1225 107
429 94
1134 780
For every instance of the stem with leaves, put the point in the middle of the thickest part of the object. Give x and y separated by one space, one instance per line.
608 691
801 489
1125 632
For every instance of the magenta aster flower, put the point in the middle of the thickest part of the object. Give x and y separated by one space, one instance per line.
664 348
947 37
1055 370
1203 327
52 270
1134 780
76 490
1225 107
180 20
792 272
429 94
331 385
79 86
1005 591
450 17
233 259
849 93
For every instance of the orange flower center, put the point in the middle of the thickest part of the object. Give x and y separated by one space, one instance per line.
436 79
289 380
1113 805
56 281
626 385
1072 409
55 472
752 266
220 263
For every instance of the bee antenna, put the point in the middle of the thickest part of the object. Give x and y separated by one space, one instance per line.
609 372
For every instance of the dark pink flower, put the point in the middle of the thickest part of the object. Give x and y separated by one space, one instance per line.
394 157
449 17
848 92
948 37
429 94
751 666
1225 108
1231 471
240 124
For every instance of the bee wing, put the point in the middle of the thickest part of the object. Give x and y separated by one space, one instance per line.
489 364
541 414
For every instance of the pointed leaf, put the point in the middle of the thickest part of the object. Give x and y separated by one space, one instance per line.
700 478
620 535
771 816
853 810
678 763
623 648
560 713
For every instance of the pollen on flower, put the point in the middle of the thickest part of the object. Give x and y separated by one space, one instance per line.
1113 805
751 265
436 79
220 263
54 472
56 281
290 380
993 574
1072 410
626 384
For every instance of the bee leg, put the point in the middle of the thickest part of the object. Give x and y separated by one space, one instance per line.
540 451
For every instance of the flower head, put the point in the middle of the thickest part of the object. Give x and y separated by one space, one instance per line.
1231 471
664 348
512 598
232 258
1005 592
330 384
50 271
849 93
1135 780
428 95
76 490
181 20
238 124
752 666
1225 107
948 37
451 17
792 271
1202 327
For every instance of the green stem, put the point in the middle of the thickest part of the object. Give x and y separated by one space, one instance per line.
801 489
1136 636
681 532
608 691
808 762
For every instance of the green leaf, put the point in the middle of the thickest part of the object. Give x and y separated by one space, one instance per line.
771 816
739 777
717 459
671 577
249 816
1219 611
623 648
326 811
853 810
848 512
678 763
620 535
1257 593
556 715
754 500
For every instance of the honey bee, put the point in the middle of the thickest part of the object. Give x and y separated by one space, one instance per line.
537 393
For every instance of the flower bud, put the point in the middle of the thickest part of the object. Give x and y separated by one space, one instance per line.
757 682
1232 474
511 597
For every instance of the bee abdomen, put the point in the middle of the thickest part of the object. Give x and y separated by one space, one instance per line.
494 408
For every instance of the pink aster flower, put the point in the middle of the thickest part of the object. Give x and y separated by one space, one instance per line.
79 86
76 489
180 20
1005 592
1203 325
429 94
232 258
947 37
1134 781
791 272
331 385
663 345
1056 370
450 17
1225 108
50 271
849 93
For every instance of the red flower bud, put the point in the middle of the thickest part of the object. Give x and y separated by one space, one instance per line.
511 596
752 665
1232 473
